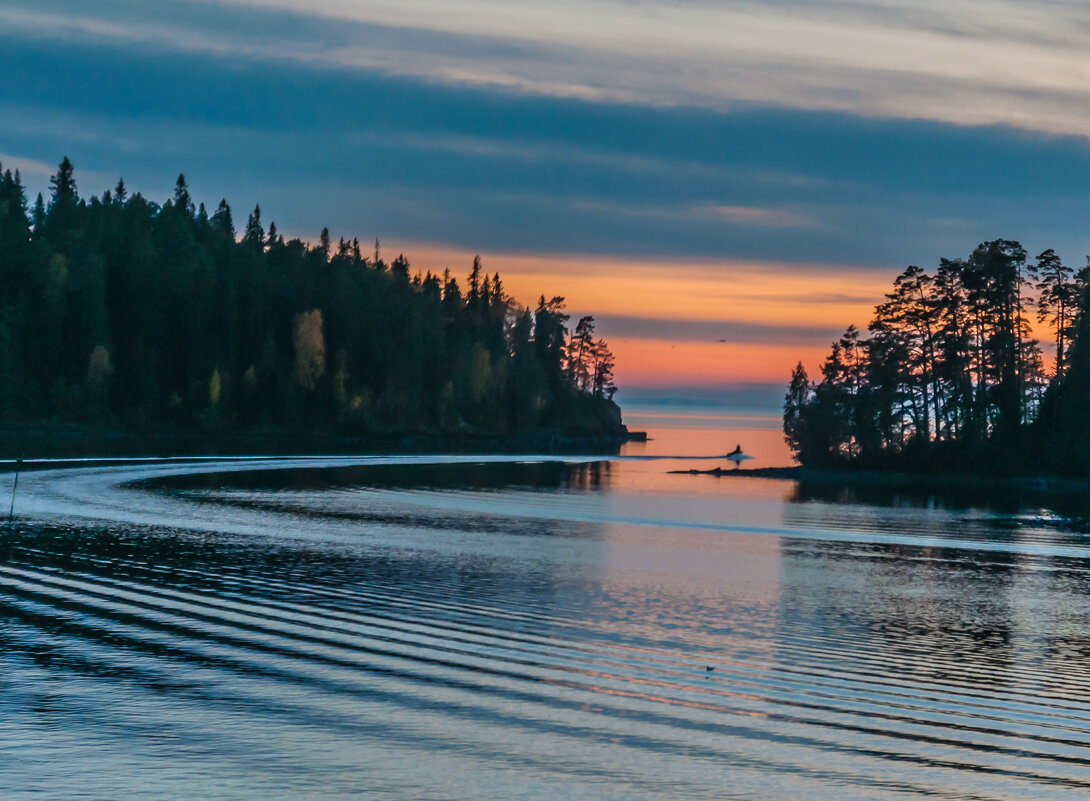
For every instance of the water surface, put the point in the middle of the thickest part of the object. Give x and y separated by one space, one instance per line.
469 627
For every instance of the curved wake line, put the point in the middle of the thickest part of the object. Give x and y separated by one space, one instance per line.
107 492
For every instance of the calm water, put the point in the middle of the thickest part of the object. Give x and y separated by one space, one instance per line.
453 627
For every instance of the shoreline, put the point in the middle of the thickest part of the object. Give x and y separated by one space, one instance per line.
60 442
900 480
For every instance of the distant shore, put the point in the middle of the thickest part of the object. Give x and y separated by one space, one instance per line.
900 480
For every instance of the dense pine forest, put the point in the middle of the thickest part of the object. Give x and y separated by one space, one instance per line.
118 312
949 377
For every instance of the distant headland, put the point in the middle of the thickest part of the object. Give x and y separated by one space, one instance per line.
121 315
948 378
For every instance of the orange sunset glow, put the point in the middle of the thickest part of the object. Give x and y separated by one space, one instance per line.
792 311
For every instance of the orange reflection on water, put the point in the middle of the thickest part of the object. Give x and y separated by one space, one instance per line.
702 431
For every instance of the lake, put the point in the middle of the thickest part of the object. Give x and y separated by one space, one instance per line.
459 627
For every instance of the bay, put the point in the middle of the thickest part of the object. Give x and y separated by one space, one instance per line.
533 627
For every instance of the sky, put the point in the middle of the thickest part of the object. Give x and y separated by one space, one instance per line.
724 185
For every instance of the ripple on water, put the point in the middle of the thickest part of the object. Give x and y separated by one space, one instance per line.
467 630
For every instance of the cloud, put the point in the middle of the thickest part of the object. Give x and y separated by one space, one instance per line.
966 62
729 395
222 93
36 173
763 217
28 168
725 331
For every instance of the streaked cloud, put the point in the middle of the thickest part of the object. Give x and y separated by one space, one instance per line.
726 331
763 399
258 102
763 217
967 62
28 168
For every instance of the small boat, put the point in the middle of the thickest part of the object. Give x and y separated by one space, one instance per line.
737 456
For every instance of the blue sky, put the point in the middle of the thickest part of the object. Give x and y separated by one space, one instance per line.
809 136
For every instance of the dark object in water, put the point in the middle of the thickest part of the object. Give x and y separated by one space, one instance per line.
637 436
14 486
737 456
717 471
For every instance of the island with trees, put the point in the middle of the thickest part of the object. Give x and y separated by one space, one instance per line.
121 314
949 379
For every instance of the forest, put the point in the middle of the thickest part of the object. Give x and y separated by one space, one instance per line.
118 312
948 375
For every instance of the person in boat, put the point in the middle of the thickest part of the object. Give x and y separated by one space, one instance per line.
736 452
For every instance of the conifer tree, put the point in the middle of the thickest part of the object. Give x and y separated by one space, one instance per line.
118 311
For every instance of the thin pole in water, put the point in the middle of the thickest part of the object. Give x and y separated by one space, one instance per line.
15 486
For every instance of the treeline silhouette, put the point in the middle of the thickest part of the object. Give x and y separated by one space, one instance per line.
948 376
117 311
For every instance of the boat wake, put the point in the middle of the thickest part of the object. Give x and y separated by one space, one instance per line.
386 627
